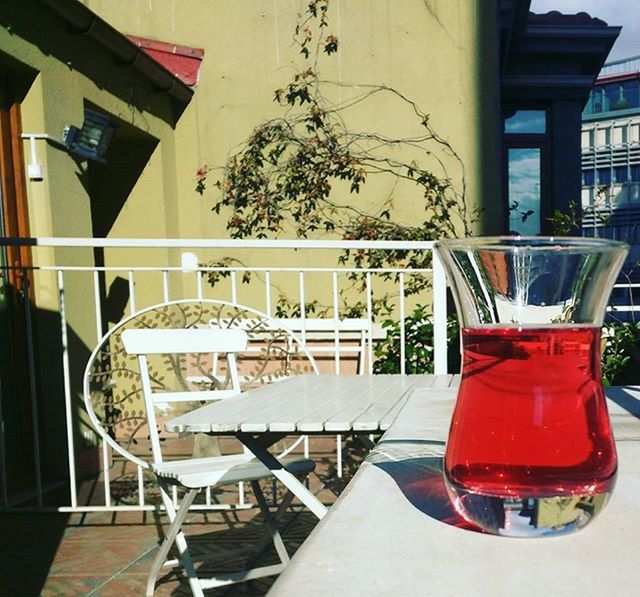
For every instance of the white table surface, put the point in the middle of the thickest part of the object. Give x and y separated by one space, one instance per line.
307 404
326 404
390 532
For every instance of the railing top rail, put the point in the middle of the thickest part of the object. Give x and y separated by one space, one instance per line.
622 60
201 243
205 269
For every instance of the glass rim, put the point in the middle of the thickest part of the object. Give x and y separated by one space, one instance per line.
533 243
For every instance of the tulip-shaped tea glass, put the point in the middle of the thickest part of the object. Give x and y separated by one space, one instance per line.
530 450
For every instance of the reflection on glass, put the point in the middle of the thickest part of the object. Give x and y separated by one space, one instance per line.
631 91
524 190
517 517
621 173
614 96
588 178
526 122
604 176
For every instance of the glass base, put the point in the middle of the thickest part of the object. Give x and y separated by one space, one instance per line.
522 516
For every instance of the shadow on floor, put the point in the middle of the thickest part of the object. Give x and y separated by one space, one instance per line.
103 554
27 550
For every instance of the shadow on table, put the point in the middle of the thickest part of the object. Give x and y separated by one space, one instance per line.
416 466
625 397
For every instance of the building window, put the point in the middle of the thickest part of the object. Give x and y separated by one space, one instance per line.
587 139
619 135
604 176
526 173
524 122
631 92
602 137
524 181
596 101
621 174
588 178
622 95
635 173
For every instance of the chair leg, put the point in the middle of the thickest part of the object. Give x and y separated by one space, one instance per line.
175 534
272 527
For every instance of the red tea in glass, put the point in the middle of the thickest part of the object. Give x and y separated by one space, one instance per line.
530 449
531 421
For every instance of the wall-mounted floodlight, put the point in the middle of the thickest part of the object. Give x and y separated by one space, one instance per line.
93 139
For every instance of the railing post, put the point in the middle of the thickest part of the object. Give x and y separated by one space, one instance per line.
439 317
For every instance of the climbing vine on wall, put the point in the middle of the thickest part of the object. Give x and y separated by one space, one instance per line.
300 174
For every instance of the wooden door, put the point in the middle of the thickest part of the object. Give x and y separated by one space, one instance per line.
15 297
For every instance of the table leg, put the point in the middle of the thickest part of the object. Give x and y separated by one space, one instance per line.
259 449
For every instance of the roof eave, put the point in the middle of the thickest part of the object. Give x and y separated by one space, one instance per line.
85 22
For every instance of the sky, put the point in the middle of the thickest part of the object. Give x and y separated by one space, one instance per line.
613 12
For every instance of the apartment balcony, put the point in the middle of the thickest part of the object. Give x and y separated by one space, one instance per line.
101 514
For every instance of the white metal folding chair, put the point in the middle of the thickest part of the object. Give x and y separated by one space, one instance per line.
195 474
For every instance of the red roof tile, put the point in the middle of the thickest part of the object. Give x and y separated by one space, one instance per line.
183 61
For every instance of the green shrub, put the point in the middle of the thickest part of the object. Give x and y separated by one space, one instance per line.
418 329
620 346
621 355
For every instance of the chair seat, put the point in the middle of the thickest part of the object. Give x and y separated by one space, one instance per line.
202 472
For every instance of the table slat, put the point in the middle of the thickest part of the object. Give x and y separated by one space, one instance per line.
365 388
382 414
367 410
223 416
385 397
302 403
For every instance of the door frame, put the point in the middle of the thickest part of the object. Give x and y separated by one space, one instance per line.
15 223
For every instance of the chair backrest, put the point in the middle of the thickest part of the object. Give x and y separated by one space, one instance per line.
113 392
172 342
324 338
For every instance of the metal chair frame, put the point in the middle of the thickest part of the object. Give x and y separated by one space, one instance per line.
196 474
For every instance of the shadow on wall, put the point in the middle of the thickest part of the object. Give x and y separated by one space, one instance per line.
51 399
51 405
109 185
31 20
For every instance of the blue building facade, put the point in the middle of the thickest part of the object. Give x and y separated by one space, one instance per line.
611 165
611 158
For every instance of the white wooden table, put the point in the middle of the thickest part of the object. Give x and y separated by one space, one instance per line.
314 404
392 531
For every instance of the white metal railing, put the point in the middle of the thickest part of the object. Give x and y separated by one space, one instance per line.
618 67
70 287
627 305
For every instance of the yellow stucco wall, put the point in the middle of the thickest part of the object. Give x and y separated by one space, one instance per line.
63 73
439 53
436 52
64 66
